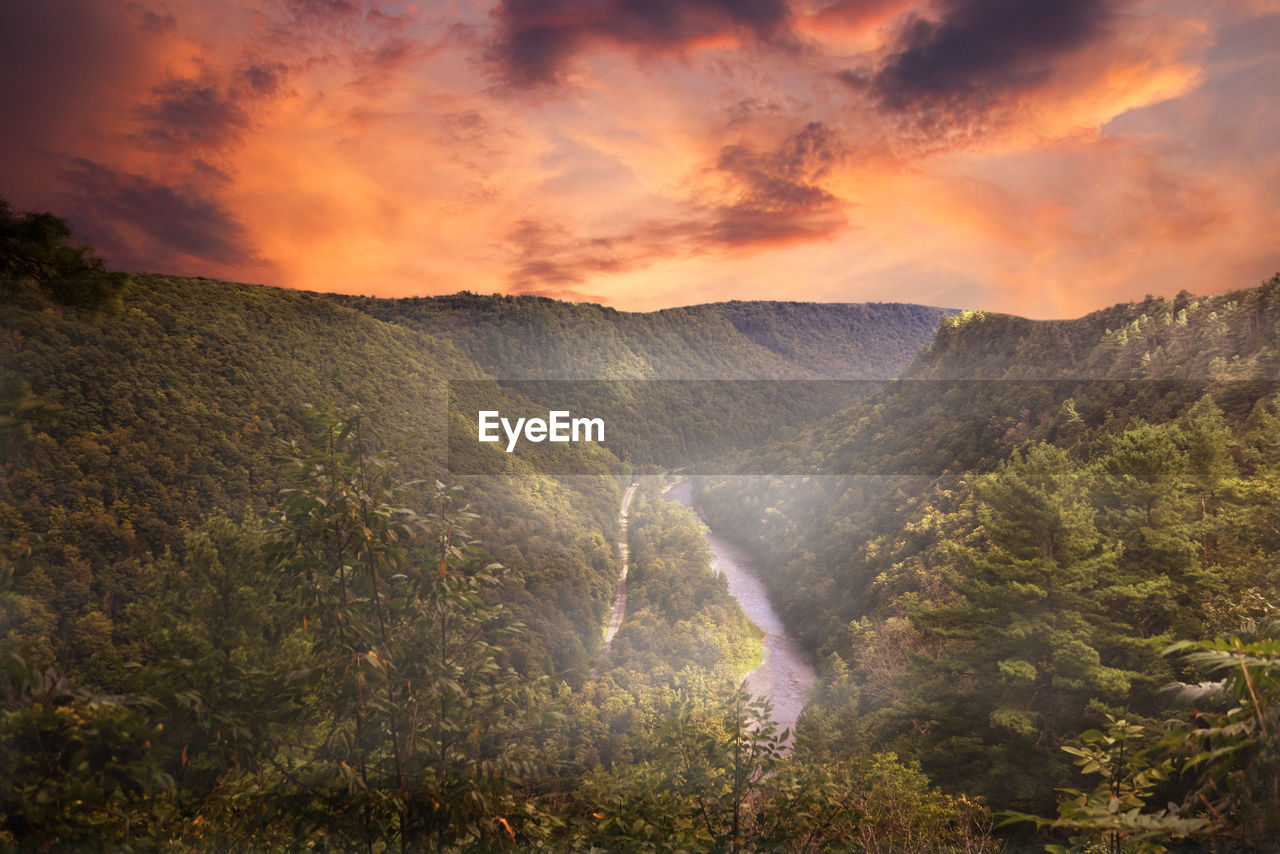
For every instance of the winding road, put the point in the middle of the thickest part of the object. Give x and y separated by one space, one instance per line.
620 596
786 673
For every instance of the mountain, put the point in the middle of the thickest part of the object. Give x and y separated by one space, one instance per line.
181 402
247 592
1233 336
845 341
992 552
538 338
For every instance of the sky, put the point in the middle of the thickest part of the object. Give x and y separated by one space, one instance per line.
1038 157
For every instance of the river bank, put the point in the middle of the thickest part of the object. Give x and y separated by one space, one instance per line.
786 672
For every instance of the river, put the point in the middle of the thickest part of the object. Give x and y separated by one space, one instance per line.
786 673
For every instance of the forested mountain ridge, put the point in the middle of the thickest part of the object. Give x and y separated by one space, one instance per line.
175 401
1235 335
182 405
846 341
538 338
1046 506
228 617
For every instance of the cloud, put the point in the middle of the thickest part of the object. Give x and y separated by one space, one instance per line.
762 199
548 254
158 24
313 18
377 66
138 224
263 79
538 37
187 115
851 17
323 8
954 70
778 196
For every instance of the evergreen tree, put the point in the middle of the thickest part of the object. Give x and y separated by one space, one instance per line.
1022 659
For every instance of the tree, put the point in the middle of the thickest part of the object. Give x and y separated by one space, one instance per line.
1115 814
417 715
80 771
1232 741
1022 655
701 788
34 248
20 410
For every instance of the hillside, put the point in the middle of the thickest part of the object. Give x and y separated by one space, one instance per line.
845 341
184 404
1231 336
210 562
180 402
246 594
641 371
537 338
1003 542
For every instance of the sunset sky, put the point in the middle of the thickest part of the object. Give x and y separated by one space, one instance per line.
1040 157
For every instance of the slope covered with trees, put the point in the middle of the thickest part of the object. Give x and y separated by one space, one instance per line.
1044 508
846 341
681 386
183 403
538 338
241 606
228 616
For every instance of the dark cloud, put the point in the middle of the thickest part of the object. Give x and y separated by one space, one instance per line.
327 31
978 52
550 255
778 195
323 8
137 224
743 112
344 14
263 79
774 197
187 115
192 115
537 37
157 23
379 64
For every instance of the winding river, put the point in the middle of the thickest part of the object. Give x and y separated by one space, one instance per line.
786 673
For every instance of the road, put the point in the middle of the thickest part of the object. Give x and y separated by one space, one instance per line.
620 595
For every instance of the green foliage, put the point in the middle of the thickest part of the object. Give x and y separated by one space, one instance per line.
701 787
1027 631
1232 743
1228 337
80 770
1055 535
1115 815
34 249
334 676
343 666
20 410
418 708
179 407
521 337
872 803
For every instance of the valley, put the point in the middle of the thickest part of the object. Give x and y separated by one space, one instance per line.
262 581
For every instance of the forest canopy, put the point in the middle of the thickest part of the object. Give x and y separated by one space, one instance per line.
244 606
